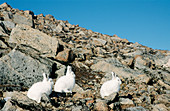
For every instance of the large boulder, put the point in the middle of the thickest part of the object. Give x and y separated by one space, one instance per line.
24 34
111 65
22 67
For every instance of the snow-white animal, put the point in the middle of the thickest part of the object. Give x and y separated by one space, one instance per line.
37 89
110 86
65 83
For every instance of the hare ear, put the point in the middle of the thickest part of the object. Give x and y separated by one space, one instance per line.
44 77
113 75
68 70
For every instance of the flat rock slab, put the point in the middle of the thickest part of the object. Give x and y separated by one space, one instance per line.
23 34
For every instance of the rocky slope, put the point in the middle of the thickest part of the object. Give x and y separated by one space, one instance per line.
32 44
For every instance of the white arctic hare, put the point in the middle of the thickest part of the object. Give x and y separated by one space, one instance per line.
110 86
37 89
65 83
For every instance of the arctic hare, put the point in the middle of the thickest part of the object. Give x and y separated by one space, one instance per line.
65 83
37 89
110 86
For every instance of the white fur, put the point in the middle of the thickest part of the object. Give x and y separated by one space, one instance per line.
37 89
65 83
110 86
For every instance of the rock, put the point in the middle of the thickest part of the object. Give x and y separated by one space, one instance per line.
133 54
4 52
111 97
142 79
59 28
167 64
24 102
98 42
2 103
139 63
80 65
21 19
4 5
3 45
100 105
10 25
163 84
60 72
45 101
20 70
65 56
90 102
160 107
9 107
20 102
138 108
126 102
105 66
76 108
99 51
164 99
78 89
162 61
2 31
23 34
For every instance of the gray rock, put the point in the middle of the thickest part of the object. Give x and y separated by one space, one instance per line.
20 101
58 29
24 102
21 19
126 101
133 54
8 107
98 42
78 89
142 79
23 34
2 31
60 72
21 70
105 66
139 63
111 97
9 24
139 108
7 15
160 107
76 108
3 45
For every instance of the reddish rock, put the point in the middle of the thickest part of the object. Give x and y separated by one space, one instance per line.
115 35
100 106
65 56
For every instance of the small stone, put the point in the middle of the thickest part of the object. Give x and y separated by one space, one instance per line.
59 28
142 79
100 105
138 108
76 108
126 102
111 97
65 56
89 103
98 42
160 107
163 84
